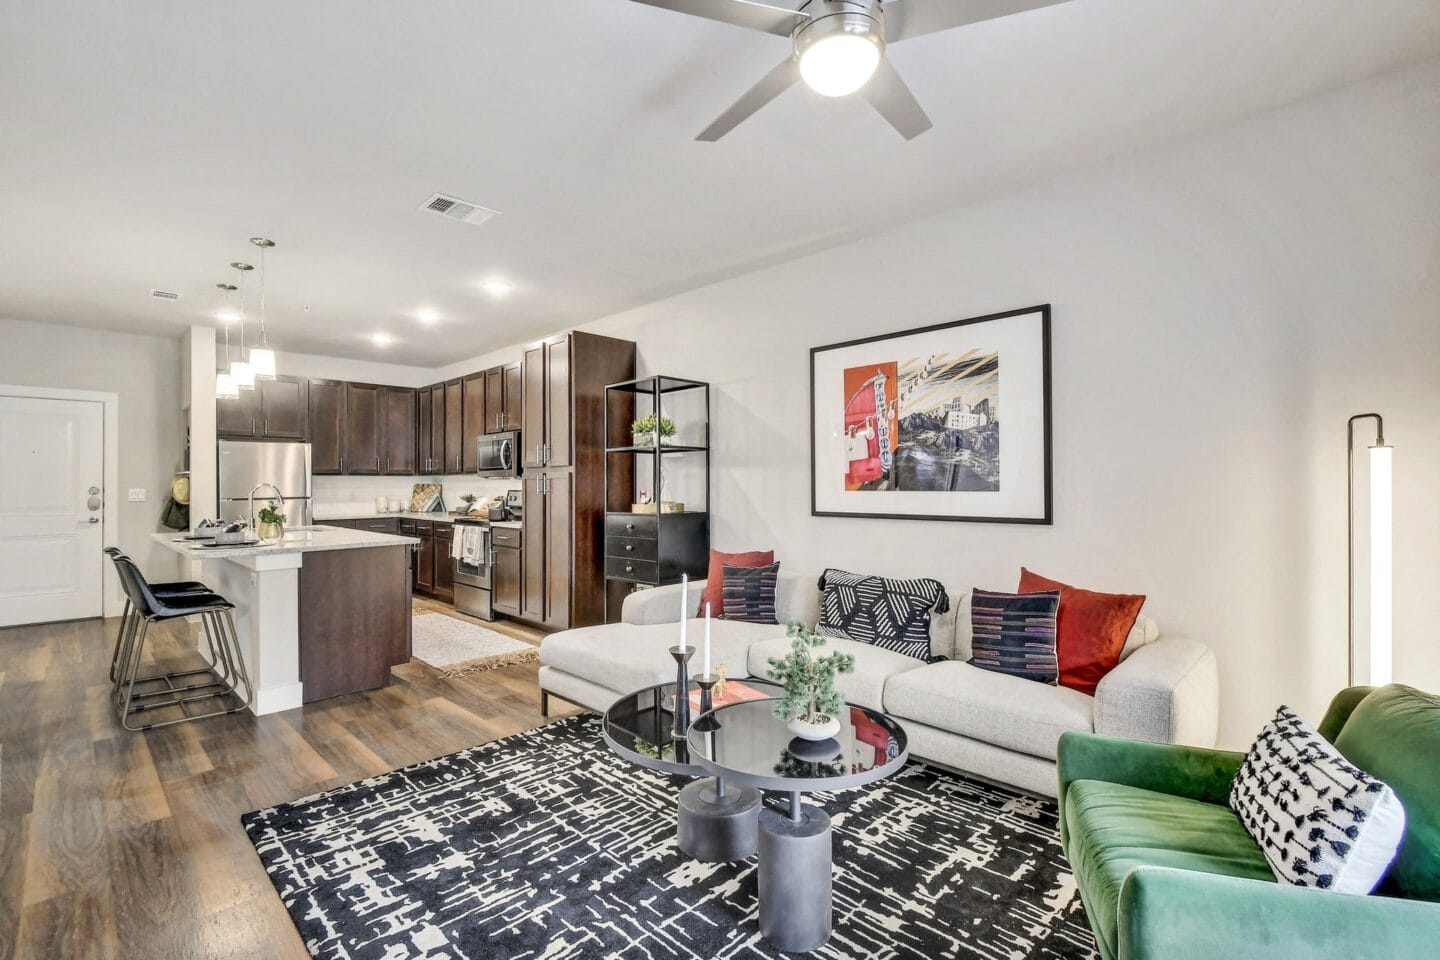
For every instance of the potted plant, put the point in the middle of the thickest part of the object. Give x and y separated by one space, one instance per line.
650 431
272 523
810 705
467 503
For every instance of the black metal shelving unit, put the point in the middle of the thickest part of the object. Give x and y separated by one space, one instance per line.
654 549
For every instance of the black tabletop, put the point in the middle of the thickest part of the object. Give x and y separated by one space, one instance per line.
746 743
638 727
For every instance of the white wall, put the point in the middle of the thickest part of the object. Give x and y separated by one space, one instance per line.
1220 307
145 372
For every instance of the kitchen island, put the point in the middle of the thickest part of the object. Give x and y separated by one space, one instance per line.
323 612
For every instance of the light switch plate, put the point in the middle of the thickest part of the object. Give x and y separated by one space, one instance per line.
137 495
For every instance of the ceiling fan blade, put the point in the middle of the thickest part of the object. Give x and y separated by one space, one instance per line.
771 85
742 13
888 94
915 18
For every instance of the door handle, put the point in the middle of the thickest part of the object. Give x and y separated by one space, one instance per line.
92 520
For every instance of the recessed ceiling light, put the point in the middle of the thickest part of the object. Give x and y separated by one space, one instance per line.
381 339
497 287
427 316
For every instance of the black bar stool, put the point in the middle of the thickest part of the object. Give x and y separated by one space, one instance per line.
228 672
160 589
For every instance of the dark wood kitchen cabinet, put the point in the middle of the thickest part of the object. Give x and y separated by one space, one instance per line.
454 427
430 430
362 429
505 572
422 431
503 396
562 559
327 427
397 431
444 563
273 410
472 419
548 402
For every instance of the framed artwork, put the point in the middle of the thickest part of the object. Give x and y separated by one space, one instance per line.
948 422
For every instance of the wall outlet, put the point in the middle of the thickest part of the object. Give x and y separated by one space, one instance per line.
137 495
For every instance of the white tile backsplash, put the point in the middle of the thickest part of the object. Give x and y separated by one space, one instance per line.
336 496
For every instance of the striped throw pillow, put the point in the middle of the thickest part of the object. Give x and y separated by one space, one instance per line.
1015 634
750 593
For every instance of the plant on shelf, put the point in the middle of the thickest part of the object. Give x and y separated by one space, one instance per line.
810 705
272 523
650 431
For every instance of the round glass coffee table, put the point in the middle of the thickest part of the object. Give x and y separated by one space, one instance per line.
717 821
746 744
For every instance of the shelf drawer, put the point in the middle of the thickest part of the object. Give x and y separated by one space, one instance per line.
505 536
424 528
381 526
644 525
635 571
632 548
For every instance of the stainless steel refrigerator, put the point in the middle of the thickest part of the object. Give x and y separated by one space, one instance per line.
242 464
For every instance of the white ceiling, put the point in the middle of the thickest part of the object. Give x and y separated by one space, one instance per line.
142 143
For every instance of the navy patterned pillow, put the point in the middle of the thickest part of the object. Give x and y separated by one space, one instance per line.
1014 633
750 593
890 614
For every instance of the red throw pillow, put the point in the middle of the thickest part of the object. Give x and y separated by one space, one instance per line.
1091 630
715 583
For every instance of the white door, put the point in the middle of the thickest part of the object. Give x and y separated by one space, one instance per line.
51 509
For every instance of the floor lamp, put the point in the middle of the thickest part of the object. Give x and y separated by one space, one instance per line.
1381 551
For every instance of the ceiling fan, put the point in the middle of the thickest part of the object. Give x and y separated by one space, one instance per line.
839 48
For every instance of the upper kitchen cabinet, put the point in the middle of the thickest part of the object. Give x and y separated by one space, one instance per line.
472 392
273 410
453 460
430 432
362 428
397 431
327 427
545 433
503 391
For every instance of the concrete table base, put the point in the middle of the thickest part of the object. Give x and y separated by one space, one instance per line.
794 876
718 821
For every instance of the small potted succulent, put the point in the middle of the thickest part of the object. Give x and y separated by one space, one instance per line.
810 704
467 504
272 523
651 431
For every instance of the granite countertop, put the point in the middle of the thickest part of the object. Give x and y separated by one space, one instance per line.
513 524
405 515
296 541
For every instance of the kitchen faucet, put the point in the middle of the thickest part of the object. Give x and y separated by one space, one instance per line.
278 496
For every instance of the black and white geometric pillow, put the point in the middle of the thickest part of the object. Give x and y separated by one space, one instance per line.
890 614
1320 820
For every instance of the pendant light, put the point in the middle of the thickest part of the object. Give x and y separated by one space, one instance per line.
239 369
225 388
262 358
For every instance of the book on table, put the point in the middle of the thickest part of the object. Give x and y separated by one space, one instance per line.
735 692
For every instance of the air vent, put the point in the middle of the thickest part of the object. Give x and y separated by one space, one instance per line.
453 208
164 295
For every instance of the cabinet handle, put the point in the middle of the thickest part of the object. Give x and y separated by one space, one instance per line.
629 568
629 526
252 426
629 547
267 426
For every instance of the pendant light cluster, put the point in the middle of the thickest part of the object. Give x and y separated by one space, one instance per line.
259 364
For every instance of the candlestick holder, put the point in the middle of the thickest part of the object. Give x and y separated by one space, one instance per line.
682 657
706 722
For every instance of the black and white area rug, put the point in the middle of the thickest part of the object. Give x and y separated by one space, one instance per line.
547 846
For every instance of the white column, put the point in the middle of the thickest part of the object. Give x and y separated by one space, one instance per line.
266 593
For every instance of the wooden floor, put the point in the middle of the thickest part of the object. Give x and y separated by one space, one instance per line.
128 845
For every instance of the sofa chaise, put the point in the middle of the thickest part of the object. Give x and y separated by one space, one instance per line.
1000 727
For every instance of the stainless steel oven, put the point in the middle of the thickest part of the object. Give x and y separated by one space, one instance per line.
473 568
498 455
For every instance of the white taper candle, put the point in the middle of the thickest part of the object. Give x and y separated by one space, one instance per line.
706 670
684 606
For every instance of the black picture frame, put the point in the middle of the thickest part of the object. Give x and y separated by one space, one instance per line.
1048 516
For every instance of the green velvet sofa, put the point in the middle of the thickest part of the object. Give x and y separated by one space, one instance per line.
1166 870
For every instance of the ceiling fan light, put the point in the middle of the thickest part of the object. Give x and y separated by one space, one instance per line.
839 64
262 363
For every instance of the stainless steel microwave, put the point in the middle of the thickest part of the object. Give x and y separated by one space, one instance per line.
498 455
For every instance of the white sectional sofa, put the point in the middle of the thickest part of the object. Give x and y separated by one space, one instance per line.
1001 727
